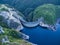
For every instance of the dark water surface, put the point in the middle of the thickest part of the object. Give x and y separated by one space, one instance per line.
42 36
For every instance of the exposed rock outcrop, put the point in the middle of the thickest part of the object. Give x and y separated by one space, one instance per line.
1 30
11 21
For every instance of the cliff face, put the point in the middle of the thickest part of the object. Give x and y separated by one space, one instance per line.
22 5
9 17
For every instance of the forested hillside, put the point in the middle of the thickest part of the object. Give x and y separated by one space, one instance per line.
22 5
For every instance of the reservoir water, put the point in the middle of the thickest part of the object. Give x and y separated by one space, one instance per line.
41 36
38 35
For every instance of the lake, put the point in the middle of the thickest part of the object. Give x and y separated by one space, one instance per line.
41 36
37 34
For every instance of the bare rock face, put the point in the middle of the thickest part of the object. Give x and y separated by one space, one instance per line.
13 24
1 30
10 20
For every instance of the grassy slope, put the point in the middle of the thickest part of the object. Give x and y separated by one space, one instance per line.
12 35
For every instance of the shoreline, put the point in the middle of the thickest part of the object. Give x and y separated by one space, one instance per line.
50 27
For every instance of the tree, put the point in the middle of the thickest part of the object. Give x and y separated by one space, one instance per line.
47 11
1 18
3 7
58 11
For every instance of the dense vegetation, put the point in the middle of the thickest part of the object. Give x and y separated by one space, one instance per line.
22 5
1 18
58 11
31 13
47 11
13 37
3 8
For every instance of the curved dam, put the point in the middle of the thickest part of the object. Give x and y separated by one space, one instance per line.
37 35
30 24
